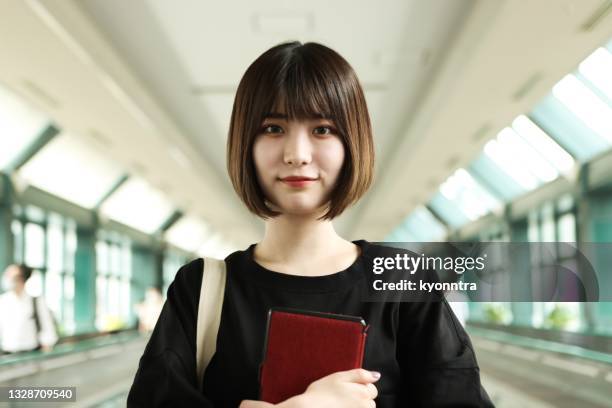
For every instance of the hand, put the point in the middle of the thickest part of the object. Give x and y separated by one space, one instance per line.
350 389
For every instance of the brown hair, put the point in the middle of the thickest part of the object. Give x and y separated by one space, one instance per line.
307 80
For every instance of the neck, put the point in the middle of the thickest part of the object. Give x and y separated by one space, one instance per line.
289 239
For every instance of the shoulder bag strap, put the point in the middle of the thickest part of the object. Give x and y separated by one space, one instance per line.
36 318
209 313
35 314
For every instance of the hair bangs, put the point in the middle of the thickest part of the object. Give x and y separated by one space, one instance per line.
303 93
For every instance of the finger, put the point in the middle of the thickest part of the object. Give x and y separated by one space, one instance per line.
362 391
369 404
255 404
372 390
360 375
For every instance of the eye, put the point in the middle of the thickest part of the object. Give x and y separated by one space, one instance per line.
271 129
325 130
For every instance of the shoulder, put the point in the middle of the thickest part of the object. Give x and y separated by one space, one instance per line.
190 274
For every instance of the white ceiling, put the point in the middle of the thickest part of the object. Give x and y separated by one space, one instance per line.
149 82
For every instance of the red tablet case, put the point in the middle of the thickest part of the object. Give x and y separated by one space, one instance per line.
303 346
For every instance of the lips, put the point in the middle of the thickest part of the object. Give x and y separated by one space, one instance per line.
297 178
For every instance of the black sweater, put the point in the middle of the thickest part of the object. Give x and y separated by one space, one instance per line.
425 356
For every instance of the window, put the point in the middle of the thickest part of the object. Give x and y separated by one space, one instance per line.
420 226
468 195
554 223
138 205
113 279
585 104
47 243
53 169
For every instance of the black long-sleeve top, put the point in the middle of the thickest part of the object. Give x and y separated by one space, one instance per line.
425 356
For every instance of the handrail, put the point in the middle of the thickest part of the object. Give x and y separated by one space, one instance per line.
69 347
539 344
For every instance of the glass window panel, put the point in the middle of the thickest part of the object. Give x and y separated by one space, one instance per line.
547 148
55 247
115 252
538 314
473 200
507 162
101 296
188 233
422 226
17 232
53 170
34 245
102 257
533 162
568 130
594 112
20 125
35 214
597 68
68 287
533 230
565 202
71 245
54 218
548 223
68 323
562 316
126 258
138 205
448 211
125 299
497 180
567 228
114 297
53 292
101 309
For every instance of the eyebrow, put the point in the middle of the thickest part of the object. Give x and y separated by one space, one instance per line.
277 115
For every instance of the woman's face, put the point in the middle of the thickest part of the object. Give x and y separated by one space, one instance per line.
298 162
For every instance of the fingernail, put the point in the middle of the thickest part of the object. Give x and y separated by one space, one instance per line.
375 374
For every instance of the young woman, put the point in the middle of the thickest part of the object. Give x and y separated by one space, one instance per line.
300 152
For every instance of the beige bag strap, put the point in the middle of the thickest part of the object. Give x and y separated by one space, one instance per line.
209 313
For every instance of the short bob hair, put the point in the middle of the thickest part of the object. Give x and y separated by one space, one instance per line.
307 80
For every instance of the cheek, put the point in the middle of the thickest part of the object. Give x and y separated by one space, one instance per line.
332 156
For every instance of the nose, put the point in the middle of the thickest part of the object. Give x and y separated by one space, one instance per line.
298 148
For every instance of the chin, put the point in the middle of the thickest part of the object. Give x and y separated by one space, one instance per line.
300 208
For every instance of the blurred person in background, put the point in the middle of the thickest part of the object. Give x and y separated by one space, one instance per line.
26 324
148 311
